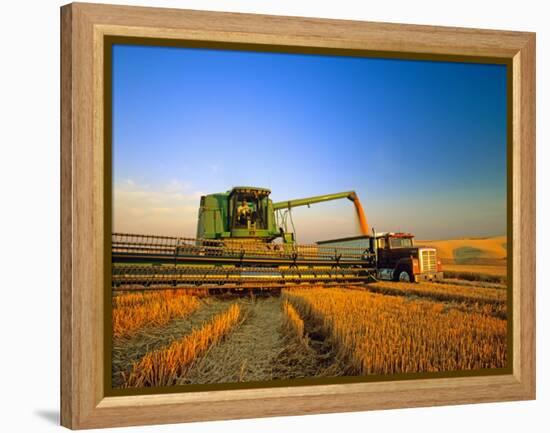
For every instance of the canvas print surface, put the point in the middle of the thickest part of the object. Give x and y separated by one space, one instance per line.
299 217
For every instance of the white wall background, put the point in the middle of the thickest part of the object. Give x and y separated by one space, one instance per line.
29 216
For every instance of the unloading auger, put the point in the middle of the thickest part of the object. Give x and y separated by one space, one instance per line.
243 242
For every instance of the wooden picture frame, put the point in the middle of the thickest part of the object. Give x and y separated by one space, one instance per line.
84 403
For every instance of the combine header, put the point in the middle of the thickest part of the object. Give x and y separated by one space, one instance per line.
243 242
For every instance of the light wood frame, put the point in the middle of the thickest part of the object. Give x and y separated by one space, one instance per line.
83 401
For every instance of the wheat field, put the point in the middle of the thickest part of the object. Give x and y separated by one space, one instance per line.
177 337
381 334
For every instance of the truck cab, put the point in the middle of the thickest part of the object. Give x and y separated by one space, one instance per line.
398 259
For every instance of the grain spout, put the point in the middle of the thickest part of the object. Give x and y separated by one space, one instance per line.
361 216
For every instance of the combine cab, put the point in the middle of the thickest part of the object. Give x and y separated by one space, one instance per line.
397 258
243 241
247 215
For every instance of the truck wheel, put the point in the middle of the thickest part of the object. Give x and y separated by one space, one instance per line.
404 276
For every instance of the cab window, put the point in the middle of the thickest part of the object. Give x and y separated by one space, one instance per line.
248 209
401 242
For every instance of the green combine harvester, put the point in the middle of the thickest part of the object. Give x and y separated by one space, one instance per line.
243 242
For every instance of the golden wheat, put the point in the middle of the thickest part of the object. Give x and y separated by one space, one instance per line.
379 334
130 299
163 367
442 292
292 321
133 311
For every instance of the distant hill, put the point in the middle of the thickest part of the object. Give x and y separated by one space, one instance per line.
480 251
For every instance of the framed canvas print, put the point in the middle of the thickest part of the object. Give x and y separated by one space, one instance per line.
269 216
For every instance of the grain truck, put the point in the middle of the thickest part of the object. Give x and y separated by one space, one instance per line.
396 256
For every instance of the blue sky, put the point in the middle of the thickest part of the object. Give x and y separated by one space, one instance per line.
423 143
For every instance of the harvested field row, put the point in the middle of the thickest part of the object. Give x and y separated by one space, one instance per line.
483 273
379 334
129 349
441 292
265 345
132 299
262 348
470 283
457 302
153 309
164 367
292 320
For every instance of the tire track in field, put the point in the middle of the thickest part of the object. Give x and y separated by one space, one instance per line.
247 354
259 350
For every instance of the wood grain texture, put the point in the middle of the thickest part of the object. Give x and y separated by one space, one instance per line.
524 216
67 385
83 401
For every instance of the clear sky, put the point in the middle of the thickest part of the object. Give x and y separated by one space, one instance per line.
423 143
